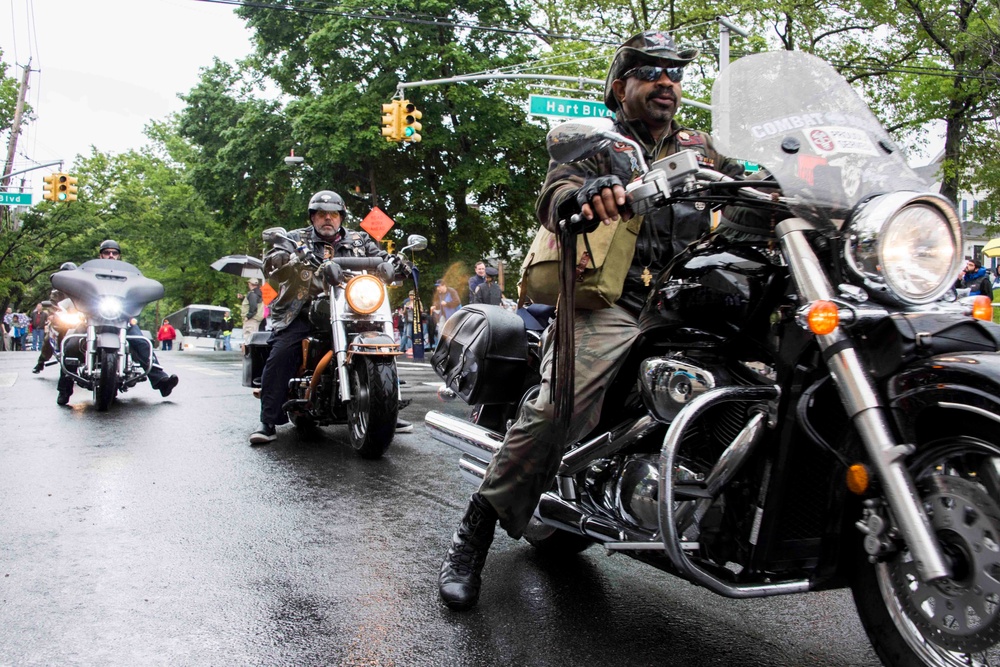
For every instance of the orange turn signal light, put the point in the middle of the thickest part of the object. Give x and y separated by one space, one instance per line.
982 308
857 479
823 317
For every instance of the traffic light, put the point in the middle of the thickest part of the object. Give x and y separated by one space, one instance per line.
49 189
411 124
67 188
63 184
392 128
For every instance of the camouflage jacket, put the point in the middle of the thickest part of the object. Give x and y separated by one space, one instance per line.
665 232
295 282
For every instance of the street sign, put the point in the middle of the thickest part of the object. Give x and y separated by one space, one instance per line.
15 199
377 223
750 167
567 107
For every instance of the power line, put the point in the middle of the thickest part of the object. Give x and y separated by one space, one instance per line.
439 21
407 18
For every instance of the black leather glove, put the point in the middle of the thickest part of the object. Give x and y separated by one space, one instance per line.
275 260
386 271
331 272
593 186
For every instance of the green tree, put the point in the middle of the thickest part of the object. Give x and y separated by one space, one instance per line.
143 199
479 147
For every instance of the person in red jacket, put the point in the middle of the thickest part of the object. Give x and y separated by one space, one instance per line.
166 336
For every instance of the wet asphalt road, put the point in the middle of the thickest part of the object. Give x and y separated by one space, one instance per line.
154 535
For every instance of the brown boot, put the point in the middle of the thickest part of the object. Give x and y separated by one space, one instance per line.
459 582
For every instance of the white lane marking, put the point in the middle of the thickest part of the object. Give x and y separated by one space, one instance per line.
8 379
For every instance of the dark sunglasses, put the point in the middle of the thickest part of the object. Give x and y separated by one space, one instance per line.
653 73
111 253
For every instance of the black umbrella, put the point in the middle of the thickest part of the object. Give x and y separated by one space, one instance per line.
240 265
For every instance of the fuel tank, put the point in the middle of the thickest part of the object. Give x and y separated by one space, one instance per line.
717 288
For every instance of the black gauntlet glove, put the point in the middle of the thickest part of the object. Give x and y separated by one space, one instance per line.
593 186
569 209
386 271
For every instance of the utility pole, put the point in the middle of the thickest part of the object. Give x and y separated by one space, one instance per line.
15 130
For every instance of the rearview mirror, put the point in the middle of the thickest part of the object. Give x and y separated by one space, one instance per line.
416 242
574 141
272 235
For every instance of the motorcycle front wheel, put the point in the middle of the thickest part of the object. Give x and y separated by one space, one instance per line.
956 621
106 387
374 405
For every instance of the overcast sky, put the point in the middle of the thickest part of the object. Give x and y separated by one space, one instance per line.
102 69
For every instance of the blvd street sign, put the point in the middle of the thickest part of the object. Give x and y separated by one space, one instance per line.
15 199
567 107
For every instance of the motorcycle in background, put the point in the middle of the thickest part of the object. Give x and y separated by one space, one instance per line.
105 294
348 375
811 410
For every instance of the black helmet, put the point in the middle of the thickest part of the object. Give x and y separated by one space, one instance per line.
327 200
67 266
647 48
110 245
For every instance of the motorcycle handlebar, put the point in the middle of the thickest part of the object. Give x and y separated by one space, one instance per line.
358 263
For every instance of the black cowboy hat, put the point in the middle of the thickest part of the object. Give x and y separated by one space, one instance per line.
652 47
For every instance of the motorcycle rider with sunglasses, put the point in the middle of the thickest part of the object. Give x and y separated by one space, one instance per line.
643 88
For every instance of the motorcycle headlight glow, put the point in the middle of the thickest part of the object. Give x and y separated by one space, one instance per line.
69 319
364 294
110 308
906 245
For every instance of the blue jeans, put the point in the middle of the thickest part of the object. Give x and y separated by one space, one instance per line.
225 343
37 336
406 342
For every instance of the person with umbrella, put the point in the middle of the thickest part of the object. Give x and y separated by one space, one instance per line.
19 330
252 309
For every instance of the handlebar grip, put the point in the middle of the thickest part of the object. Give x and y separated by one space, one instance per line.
358 263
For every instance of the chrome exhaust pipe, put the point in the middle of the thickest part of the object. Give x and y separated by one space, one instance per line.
558 513
472 440
473 470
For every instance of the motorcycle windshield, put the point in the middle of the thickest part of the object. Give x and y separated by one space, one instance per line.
99 278
793 114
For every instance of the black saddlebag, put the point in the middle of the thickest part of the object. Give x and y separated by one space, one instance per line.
905 337
255 351
482 355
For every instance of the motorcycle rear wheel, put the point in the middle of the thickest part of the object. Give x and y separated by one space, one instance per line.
960 486
374 406
106 387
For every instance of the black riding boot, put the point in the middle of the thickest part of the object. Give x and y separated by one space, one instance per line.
459 581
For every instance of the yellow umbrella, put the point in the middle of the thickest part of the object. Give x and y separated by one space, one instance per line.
992 248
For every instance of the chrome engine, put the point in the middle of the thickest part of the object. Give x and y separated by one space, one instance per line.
627 486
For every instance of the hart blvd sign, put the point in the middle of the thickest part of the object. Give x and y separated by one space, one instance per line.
15 199
567 107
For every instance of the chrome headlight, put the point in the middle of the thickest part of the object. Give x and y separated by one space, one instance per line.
364 294
905 244
110 308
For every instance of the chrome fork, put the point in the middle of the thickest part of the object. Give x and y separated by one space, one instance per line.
864 407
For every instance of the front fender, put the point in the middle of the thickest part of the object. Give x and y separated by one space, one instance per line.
107 340
946 386
373 342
